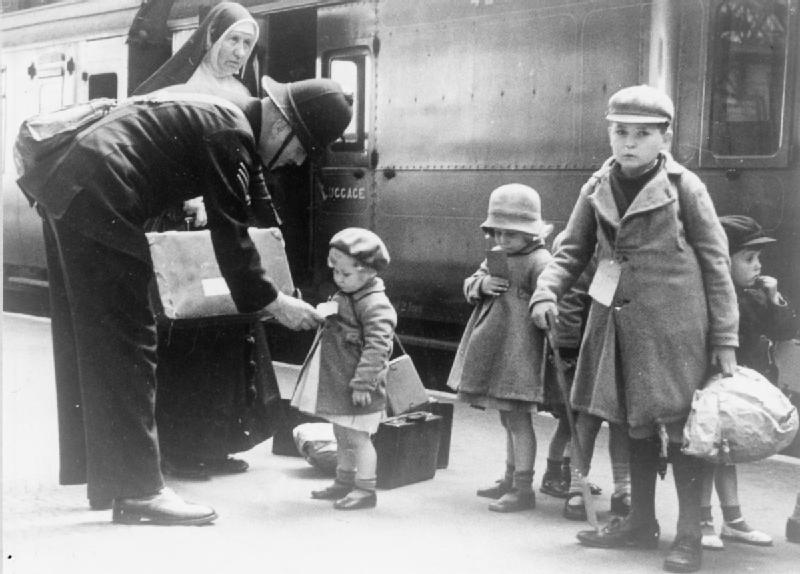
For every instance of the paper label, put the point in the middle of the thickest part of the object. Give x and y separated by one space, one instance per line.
604 284
214 287
328 308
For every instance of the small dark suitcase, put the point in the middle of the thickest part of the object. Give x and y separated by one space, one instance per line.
289 417
444 410
407 447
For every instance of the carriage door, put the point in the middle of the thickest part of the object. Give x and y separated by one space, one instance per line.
343 187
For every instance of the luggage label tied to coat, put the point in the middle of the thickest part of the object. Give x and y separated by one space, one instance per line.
605 281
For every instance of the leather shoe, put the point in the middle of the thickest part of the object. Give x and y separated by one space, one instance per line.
165 508
514 501
186 470
620 533
575 512
227 465
335 491
685 555
98 503
620 505
499 489
357 499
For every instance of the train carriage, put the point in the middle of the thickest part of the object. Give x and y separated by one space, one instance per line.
451 98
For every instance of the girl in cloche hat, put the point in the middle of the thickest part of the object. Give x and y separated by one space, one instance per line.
497 364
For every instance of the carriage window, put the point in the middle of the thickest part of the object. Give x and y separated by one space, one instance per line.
350 71
749 78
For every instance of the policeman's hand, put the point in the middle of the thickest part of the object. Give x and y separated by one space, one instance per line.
196 209
724 357
494 286
362 398
294 313
539 313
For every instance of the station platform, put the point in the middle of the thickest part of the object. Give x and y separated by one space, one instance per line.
268 522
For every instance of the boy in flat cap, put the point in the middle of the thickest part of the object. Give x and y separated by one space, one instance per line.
663 311
764 318
343 378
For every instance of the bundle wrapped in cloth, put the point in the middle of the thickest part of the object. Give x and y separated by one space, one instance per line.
741 418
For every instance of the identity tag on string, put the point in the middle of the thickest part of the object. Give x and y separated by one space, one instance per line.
605 281
328 308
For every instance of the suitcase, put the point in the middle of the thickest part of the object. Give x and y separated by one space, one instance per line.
444 410
407 447
189 284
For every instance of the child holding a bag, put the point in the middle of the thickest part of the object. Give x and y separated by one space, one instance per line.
498 364
343 378
764 317
663 310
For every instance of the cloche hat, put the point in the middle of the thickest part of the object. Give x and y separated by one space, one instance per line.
515 207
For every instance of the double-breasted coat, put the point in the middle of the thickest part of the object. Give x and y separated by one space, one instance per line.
501 351
644 355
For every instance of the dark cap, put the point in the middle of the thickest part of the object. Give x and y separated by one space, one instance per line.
317 110
743 232
363 246
640 105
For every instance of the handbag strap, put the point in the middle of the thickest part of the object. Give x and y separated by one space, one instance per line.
361 329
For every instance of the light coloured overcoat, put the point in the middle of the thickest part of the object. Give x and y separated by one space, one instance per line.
501 351
643 357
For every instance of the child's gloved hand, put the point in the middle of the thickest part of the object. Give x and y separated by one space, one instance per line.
362 398
494 286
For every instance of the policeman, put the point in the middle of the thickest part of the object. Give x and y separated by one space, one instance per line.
130 166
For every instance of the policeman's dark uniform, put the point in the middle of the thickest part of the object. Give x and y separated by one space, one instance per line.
130 166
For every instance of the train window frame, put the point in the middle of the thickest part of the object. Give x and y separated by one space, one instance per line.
360 56
718 54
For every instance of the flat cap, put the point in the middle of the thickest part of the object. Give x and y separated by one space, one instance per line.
743 232
640 105
363 246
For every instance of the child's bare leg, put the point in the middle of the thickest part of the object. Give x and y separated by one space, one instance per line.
734 527
500 487
710 539
345 468
553 481
523 439
619 453
586 429
366 459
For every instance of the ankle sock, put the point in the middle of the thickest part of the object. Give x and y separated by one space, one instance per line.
345 477
731 513
705 514
368 484
523 480
622 478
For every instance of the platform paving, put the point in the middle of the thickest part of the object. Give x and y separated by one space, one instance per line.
268 523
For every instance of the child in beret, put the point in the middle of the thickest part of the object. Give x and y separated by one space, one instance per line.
343 378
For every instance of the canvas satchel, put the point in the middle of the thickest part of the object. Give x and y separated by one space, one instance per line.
189 284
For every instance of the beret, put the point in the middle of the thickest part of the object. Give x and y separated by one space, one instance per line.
363 246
